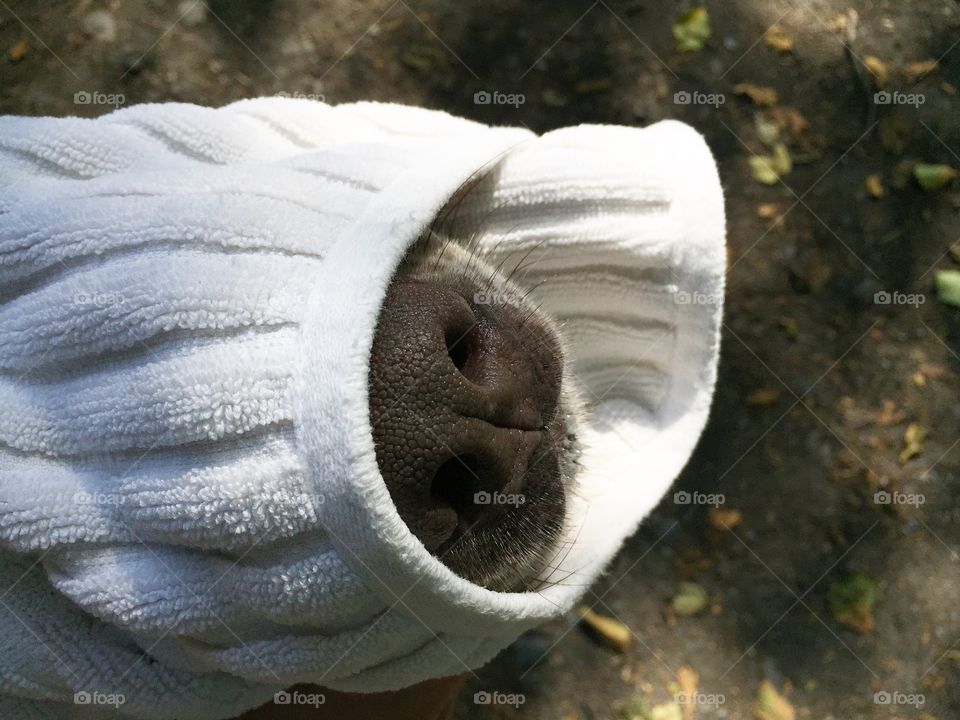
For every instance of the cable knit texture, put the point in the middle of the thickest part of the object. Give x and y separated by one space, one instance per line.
191 515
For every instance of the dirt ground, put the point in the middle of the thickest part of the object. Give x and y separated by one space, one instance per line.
819 383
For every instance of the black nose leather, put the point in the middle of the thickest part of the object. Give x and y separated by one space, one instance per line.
460 392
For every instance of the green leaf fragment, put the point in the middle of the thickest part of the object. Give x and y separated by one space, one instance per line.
948 287
933 177
692 30
852 599
690 599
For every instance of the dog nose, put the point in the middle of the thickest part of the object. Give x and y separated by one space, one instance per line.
459 393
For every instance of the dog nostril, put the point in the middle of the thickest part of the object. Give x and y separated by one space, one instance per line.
462 347
455 484
461 482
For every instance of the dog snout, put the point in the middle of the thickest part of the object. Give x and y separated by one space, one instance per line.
459 400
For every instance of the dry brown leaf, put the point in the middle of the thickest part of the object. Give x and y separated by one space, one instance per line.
724 518
768 211
687 679
916 71
913 439
771 705
934 371
842 21
759 94
889 415
614 632
874 186
18 51
763 396
878 68
789 119
778 39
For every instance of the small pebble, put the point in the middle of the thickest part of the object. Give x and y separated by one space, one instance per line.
192 12
100 25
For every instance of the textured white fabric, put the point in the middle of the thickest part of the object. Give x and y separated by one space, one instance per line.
187 303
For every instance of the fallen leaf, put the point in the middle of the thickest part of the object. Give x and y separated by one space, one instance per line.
874 186
761 168
789 119
916 71
889 415
759 94
767 211
782 162
689 600
18 51
933 177
913 439
614 632
954 251
778 39
842 21
768 169
763 396
851 601
724 518
919 379
878 68
948 88
934 371
948 286
692 30
771 705
666 711
687 680
767 130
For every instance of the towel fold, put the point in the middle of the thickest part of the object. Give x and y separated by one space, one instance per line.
191 514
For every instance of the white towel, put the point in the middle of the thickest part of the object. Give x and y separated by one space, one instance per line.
191 514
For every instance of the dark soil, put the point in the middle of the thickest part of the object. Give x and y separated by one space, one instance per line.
842 376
